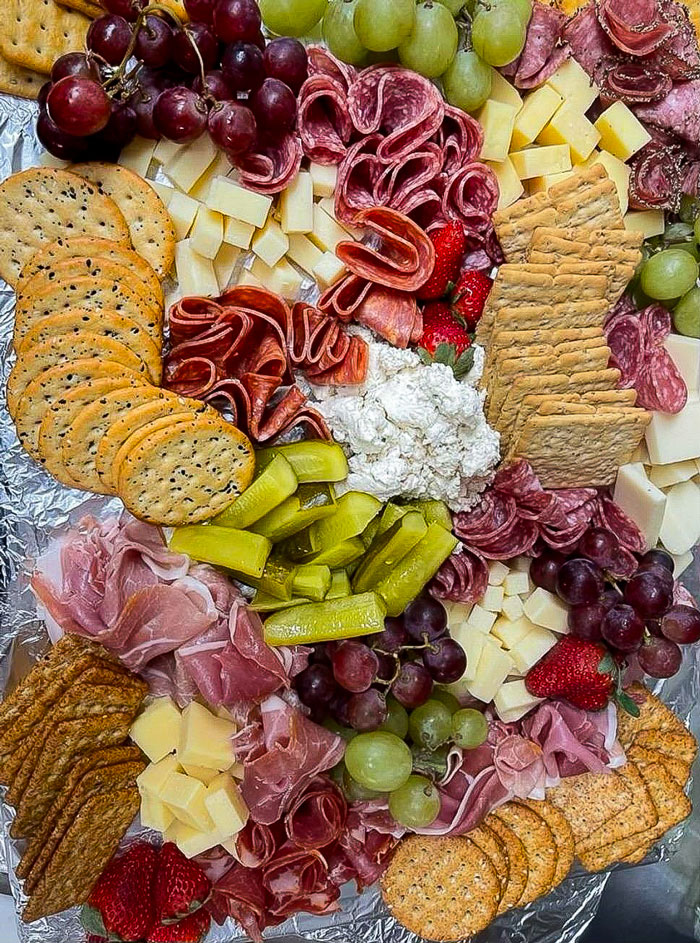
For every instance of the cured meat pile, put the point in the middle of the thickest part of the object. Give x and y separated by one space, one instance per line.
518 516
636 342
242 348
398 145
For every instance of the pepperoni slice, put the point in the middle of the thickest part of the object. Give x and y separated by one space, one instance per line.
463 577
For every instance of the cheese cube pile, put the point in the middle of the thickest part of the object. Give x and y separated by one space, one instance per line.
188 792
227 232
507 632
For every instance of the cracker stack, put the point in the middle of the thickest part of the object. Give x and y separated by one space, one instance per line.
550 392
70 775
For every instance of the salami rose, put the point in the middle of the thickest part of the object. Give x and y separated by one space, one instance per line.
317 817
633 82
656 177
471 196
323 121
463 577
272 166
357 178
626 343
415 172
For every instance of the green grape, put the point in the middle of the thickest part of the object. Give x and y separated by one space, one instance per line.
686 314
454 6
383 24
498 36
378 760
467 82
445 697
430 724
416 804
469 728
669 274
396 718
432 44
339 32
519 8
291 17
354 791
697 229
347 733
431 763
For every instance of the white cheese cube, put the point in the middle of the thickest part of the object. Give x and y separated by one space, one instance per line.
680 529
326 233
137 155
674 438
641 454
157 728
297 204
535 645
192 841
270 244
512 607
493 598
663 476
227 197
494 667
547 610
195 274
237 233
183 210
151 780
155 814
165 150
207 232
327 204
649 222
224 264
303 252
685 353
481 619
681 562
187 166
282 279
324 177
516 584
521 564
472 641
225 805
48 160
247 278
202 773
220 167
509 632
497 573
205 740
513 700
457 612
328 270
163 190
641 500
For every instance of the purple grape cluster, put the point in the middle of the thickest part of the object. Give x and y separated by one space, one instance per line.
350 680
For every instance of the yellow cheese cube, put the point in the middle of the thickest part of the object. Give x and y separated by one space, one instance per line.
540 184
225 805
619 173
195 274
537 110
621 132
324 177
283 279
202 773
512 701
571 81
190 162
328 270
649 222
205 740
227 197
569 125
157 729
207 232
137 155
547 611
326 233
192 841
151 780
165 150
297 204
497 120
270 243
541 161
224 264
528 650
237 233
510 186
503 91
303 252
164 192
247 278
184 796
155 814
221 167
328 205
182 209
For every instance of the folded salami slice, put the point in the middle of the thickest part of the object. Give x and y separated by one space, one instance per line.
678 111
392 314
656 324
679 56
655 181
660 385
272 166
471 196
459 137
357 177
636 27
323 62
627 345
320 347
633 82
463 577
402 178
590 44
542 54
323 121
424 207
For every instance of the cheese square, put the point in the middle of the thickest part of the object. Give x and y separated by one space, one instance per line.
513 700
157 729
246 277
503 91
195 274
207 232
681 562
155 814
225 805
190 162
569 125
547 610
510 632
685 353
270 244
184 796
202 773
303 252
539 161
481 619
641 500
663 476
163 190
205 740
621 132
183 210
542 184
282 279
137 155
225 262
494 667
472 641
619 173
531 648
165 150
516 584
326 233
327 204
328 270
227 197
680 528
493 598
497 573
457 612
512 607
571 81
497 120
324 177
297 204
538 108
237 233
220 167
649 222
192 841
151 780
673 438
510 186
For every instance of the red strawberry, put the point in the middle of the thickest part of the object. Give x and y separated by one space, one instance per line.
580 671
121 902
450 245
469 296
444 339
190 929
180 886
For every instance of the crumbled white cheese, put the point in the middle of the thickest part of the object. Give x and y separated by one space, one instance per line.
413 429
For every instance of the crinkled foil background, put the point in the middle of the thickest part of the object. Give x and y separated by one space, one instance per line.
32 504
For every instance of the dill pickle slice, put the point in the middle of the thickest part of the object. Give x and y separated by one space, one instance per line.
342 554
420 564
434 512
278 579
264 602
269 489
311 461
390 515
388 549
370 531
309 504
312 580
340 585
324 621
354 510
238 550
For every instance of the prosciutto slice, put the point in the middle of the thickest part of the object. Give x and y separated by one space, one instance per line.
317 817
241 894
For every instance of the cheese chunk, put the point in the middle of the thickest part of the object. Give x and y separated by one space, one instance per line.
457 612
547 610
183 210
648 222
481 619
503 91
165 150
497 120
621 132
493 598
619 173
151 780
207 232
282 279
326 233
528 650
192 841
201 773
227 197
224 264
685 353
237 233
247 278
205 740
681 562
155 814
327 204
328 270
195 274
538 109
510 186
184 796
569 125
190 162
542 184
225 805
220 167
573 84
539 161
673 438
270 244
663 476
494 667
511 632
641 454
641 500
163 190
497 573
512 607
680 529
297 204
324 178
516 584
137 155
303 252
472 641
157 729
521 564
513 700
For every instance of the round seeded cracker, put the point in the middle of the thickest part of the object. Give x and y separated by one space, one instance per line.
494 849
540 848
517 863
187 472
561 830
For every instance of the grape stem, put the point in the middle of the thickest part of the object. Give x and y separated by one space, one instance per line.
118 78
206 94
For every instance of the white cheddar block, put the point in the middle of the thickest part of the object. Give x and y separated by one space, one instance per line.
685 353
493 598
326 233
457 612
270 244
190 162
183 210
513 700
681 562
328 270
151 780
227 197
327 204
512 607
224 264
163 190
237 233
192 841
521 564
297 204
137 155
481 619
516 584
641 500
166 150
155 814
221 167
247 278
324 178
680 530
497 573
545 609
663 476
205 739
303 252
282 279
195 274
494 667
202 773
225 805
535 645
157 728
207 232
674 438
510 632
649 222
472 641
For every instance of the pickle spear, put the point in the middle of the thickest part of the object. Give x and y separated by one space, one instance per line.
312 580
434 512
264 602
311 461
419 565
340 585
325 621
238 550
390 515
309 504
341 554
354 511
269 489
386 551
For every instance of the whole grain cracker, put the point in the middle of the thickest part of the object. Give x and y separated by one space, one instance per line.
578 183
37 32
15 80
495 851
540 848
643 756
683 746
441 888
37 206
16 771
561 830
517 863
598 207
639 815
578 314
515 237
653 715
589 800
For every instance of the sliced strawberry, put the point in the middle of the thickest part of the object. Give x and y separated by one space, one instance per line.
180 886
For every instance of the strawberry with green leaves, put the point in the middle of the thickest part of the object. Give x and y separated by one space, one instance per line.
120 906
180 886
450 245
190 929
445 339
469 296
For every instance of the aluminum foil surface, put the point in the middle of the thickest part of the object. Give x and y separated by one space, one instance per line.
33 506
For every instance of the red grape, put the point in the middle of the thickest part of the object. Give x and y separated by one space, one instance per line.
611 597
129 9
584 621
232 127
180 114
200 11
579 581
237 20
681 624
259 41
286 60
413 685
661 557
599 545
215 85
367 710
61 145
75 63
43 95
109 37
338 706
154 42
275 106
78 106
394 636
387 666
425 618
143 102
119 130
649 594
354 666
622 628
545 569
659 657
184 53
445 660
242 65
315 685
